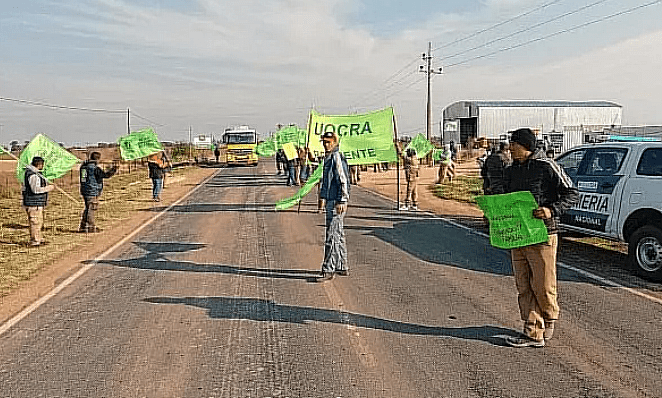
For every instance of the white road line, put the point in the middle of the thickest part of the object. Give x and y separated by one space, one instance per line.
582 272
32 307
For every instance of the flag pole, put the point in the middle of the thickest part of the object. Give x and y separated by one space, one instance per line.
397 164
307 152
38 172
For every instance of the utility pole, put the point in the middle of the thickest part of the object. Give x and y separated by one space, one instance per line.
428 70
189 143
128 121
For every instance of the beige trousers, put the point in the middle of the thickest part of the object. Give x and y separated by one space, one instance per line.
36 220
534 268
412 191
446 170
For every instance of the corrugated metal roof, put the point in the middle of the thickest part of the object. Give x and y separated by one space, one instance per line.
545 104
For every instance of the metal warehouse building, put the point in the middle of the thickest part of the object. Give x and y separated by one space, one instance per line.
563 124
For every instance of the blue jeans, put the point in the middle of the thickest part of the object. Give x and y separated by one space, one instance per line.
335 251
157 187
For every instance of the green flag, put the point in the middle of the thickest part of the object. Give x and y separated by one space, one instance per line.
139 144
266 148
293 134
57 160
421 145
315 178
511 221
441 154
364 139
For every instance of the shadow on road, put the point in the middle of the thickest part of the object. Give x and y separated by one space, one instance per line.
268 311
437 241
155 260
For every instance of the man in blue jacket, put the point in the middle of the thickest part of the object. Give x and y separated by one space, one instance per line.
334 195
91 185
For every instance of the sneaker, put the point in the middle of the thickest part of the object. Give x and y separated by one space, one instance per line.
343 272
549 330
404 208
326 276
524 341
414 207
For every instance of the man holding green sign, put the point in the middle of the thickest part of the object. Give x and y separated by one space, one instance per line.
534 264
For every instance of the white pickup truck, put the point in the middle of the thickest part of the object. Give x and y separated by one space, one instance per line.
620 187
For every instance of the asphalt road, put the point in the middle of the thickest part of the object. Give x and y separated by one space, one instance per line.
218 298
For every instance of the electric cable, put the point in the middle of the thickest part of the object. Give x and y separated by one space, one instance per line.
534 26
73 108
576 27
497 25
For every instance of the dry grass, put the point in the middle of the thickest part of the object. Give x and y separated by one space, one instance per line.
123 196
462 189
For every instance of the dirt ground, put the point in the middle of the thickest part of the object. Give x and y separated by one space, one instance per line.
385 183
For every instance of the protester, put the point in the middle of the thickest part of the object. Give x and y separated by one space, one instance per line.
334 196
493 169
157 165
292 171
304 167
354 174
91 186
534 266
453 149
411 165
446 165
217 153
281 161
35 198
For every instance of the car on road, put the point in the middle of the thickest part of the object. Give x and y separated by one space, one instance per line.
620 186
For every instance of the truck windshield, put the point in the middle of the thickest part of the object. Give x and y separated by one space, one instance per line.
240 138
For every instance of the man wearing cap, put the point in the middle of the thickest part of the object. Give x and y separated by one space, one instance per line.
493 169
35 198
91 185
534 266
411 165
334 195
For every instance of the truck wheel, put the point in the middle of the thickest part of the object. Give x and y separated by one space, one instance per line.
645 252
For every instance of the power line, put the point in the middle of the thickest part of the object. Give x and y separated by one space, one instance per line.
497 25
72 108
557 33
525 29
147 120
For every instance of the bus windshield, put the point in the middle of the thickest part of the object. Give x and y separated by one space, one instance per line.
239 138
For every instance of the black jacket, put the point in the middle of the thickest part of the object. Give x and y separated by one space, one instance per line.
91 178
547 181
493 171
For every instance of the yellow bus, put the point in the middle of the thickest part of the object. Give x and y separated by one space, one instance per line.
240 142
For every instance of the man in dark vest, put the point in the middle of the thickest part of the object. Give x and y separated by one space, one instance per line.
35 198
91 185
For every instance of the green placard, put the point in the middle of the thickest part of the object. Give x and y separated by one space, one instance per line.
364 139
139 144
512 224
57 160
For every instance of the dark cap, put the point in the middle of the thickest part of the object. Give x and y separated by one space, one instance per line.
36 160
329 135
524 137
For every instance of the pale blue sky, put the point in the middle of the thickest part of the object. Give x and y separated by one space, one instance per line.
208 64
